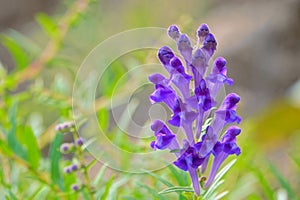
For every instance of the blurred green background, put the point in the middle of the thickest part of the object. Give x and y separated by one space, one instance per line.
260 40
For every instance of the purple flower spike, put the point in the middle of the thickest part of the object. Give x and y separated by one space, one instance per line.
164 137
202 32
185 48
174 32
192 104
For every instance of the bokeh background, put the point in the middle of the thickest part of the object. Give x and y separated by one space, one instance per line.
259 39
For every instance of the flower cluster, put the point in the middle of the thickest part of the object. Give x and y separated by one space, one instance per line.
192 105
72 147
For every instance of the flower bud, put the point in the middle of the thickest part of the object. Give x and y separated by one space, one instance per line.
75 187
66 148
174 32
65 127
79 141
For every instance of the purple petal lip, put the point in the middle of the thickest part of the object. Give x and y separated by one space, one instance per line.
165 54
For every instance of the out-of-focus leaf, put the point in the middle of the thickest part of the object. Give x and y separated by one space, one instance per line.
112 195
28 139
48 25
20 56
152 191
54 160
25 43
159 178
284 183
11 138
107 188
268 191
103 118
12 196
4 148
111 77
275 123
99 176
69 179
180 176
217 181
297 161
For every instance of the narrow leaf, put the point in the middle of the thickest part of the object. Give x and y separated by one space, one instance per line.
159 178
54 160
152 191
99 176
30 142
179 189
48 25
283 182
107 188
19 55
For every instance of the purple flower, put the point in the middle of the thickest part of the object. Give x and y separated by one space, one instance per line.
222 150
163 92
202 93
164 137
218 76
193 103
190 158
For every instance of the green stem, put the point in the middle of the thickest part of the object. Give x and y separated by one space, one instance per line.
80 156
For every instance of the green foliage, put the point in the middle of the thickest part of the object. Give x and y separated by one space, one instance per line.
19 54
55 156
49 26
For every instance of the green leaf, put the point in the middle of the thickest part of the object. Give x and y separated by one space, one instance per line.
99 176
54 160
217 181
268 190
113 189
11 138
19 55
177 189
180 176
296 160
30 142
152 191
4 148
107 188
103 118
24 42
283 182
47 24
159 178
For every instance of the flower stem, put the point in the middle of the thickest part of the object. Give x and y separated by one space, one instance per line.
81 159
